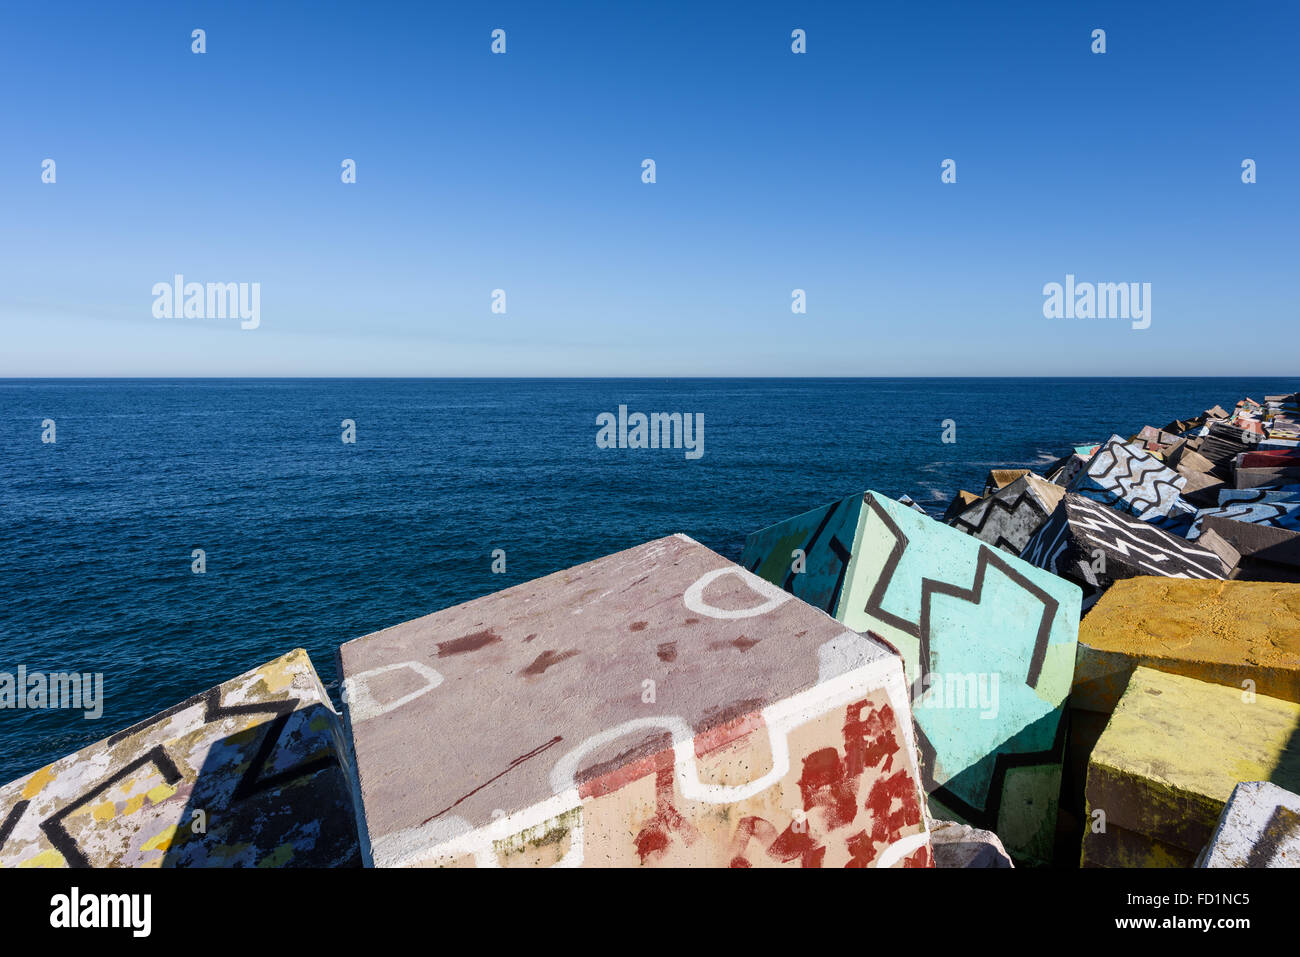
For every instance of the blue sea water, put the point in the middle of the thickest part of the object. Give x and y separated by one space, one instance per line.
311 542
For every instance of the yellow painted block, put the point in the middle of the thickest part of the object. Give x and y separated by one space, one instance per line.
1170 756
1245 635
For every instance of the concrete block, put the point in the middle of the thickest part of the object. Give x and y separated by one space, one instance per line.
967 618
1168 761
1222 443
1008 517
1239 634
1260 542
1001 478
1260 496
1275 515
1187 461
248 774
1259 827
1126 478
1202 488
659 706
1216 543
1093 545
961 501
1265 477
959 845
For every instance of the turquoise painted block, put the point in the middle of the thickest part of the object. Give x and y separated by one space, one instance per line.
988 642
824 536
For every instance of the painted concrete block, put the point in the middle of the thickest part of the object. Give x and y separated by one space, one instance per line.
967 619
1259 496
659 706
958 845
961 501
1063 471
1259 827
1273 514
1126 478
247 774
912 504
1222 443
808 555
1168 761
1094 545
1008 517
1001 478
1240 634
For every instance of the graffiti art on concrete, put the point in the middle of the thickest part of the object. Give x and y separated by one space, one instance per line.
667 707
967 618
1008 517
807 555
1123 476
1168 761
246 774
1259 827
1259 496
1094 545
1285 515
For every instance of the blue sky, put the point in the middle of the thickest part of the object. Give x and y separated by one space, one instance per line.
775 171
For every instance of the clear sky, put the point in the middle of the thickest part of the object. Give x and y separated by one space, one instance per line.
775 171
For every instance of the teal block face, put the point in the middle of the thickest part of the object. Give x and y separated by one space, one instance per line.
825 535
988 642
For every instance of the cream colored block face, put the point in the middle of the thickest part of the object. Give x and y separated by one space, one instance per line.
828 783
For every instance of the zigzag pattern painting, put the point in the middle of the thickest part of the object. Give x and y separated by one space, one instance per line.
1127 478
988 642
1093 546
1009 516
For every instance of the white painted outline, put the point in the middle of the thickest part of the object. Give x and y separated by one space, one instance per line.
693 598
780 718
362 706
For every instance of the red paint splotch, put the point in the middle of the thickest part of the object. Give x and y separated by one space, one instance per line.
466 643
667 651
655 837
638 626
546 659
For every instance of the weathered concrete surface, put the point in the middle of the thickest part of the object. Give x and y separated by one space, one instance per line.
660 706
1259 827
1274 514
1001 478
1220 632
958 845
1125 477
246 774
1260 496
1202 488
988 642
1006 518
1216 543
1168 760
960 502
808 555
1093 545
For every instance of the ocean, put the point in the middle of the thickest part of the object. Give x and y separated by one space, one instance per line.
309 541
